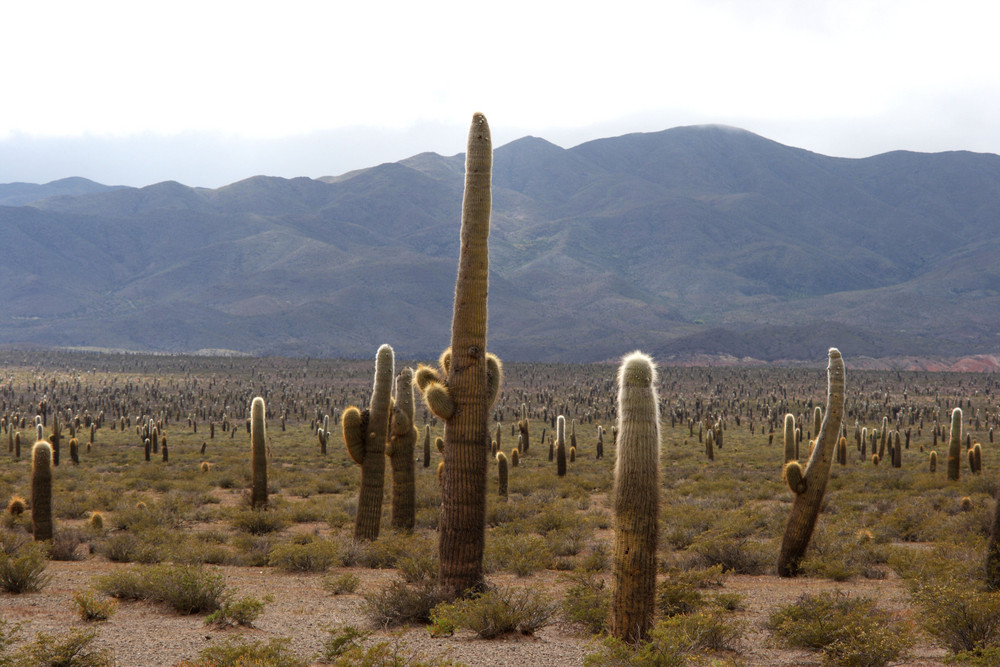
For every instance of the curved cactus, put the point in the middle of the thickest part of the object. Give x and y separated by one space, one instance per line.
41 490
258 455
561 446
955 446
636 499
470 382
805 508
402 440
365 434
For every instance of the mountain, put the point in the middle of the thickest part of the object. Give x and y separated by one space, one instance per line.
693 241
20 194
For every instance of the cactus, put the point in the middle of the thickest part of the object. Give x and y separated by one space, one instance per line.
402 440
427 445
710 445
955 446
806 506
977 452
501 474
258 455
515 457
561 446
74 451
471 381
54 438
842 451
41 490
993 552
600 443
932 461
522 428
789 437
365 435
636 499
163 448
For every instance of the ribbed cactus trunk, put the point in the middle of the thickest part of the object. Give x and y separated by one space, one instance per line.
400 451
809 491
463 392
41 491
258 455
636 499
993 552
466 433
365 435
561 446
502 473
789 434
955 446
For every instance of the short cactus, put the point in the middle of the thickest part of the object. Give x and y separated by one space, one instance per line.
258 455
806 506
710 445
41 490
502 474
789 440
932 461
402 440
365 435
636 499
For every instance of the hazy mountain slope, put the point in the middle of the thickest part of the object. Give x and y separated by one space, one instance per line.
690 241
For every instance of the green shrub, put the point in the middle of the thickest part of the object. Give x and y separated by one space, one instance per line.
496 612
242 612
956 614
341 583
235 653
188 589
72 649
313 556
587 602
848 631
24 570
522 554
672 642
401 603
258 521
92 608
343 648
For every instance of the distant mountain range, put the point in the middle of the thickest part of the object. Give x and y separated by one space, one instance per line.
691 243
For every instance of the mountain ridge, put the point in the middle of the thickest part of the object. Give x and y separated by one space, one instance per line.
692 241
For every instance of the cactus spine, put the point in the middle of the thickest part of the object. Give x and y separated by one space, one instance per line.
41 491
365 434
402 441
561 446
258 455
805 508
636 499
471 384
955 446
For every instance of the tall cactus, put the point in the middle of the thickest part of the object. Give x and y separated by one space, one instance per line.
955 446
561 446
463 394
810 484
365 434
402 440
41 491
427 445
258 455
636 499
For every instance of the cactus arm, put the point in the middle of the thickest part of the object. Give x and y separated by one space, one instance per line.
353 424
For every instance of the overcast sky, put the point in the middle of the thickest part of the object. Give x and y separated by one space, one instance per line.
210 92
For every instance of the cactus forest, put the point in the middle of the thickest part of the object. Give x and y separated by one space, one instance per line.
466 510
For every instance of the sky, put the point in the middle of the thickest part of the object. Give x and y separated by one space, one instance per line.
210 92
